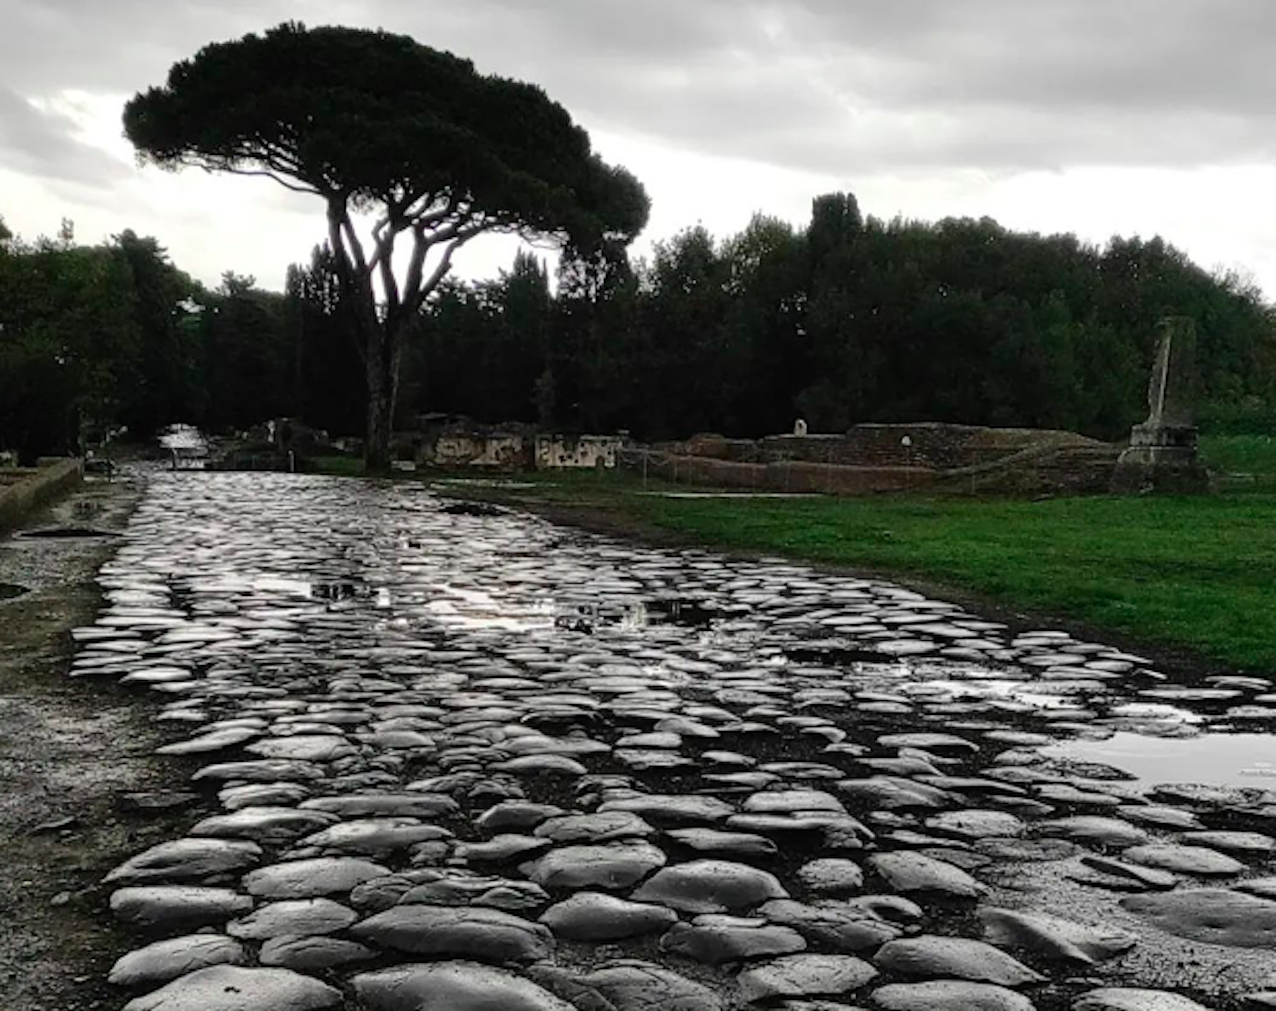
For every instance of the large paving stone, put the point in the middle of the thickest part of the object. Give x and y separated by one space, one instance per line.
1134 999
186 860
1095 830
312 954
175 908
710 886
1213 915
613 865
949 995
304 879
715 939
591 916
473 932
934 957
594 828
166 960
373 836
230 988
633 985
263 824
666 809
804 976
452 986
1054 937
293 917
836 926
916 873
725 844
1197 860
831 876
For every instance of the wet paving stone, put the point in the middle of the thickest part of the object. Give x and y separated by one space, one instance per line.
465 759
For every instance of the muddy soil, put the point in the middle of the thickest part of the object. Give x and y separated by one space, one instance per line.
69 752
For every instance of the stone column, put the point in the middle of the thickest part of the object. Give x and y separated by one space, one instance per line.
1162 452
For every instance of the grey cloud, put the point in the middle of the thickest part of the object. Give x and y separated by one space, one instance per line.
42 143
1167 54
851 86
832 85
117 45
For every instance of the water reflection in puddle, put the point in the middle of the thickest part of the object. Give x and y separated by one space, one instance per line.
1210 759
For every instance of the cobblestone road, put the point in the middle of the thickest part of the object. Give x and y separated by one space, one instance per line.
446 759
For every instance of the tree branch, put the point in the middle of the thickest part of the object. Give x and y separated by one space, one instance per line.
295 187
353 243
416 296
384 258
336 241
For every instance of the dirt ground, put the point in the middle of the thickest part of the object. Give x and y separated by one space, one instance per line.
69 751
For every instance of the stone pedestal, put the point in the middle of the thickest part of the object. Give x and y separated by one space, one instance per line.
1162 453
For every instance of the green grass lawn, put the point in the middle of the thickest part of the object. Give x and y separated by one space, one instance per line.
1242 461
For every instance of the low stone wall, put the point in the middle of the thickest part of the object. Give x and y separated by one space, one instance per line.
518 450
585 452
1012 462
493 449
796 476
24 491
931 446
1048 470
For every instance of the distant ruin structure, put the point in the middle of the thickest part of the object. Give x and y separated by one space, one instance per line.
1162 455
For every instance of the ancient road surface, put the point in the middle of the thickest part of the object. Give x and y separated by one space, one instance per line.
464 762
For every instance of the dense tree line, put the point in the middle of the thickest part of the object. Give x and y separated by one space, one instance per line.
98 338
846 320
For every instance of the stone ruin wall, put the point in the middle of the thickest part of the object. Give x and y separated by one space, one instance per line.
960 459
869 458
584 452
935 446
23 490
793 476
519 450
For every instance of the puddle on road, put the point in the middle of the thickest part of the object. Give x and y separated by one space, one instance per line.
636 615
58 532
10 590
1210 759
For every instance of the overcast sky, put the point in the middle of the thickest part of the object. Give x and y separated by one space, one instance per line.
1099 117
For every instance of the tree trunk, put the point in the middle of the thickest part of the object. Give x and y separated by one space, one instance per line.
381 382
385 353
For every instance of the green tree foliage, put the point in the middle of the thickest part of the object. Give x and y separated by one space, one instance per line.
489 341
376 123
854 319
328 369
69 343
169 382
94 338
850 319
249 358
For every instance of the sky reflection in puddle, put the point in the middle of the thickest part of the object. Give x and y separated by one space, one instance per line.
1210 759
